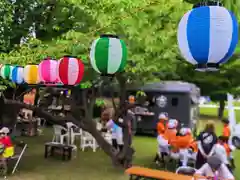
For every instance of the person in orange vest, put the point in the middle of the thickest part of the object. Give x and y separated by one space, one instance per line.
226 129
171 131
161 123
182 143
227 134
162 139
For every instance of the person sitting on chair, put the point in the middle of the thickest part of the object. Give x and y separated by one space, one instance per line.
221 152
7 142
214 169
169 137
182 142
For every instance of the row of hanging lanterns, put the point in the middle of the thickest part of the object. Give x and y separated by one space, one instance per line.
66 71
207 36
108 55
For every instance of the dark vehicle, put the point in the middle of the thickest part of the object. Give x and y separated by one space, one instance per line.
179 100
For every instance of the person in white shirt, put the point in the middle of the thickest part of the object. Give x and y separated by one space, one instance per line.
220 151
117 134
214 168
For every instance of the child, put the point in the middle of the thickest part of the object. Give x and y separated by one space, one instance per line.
117 134
214 169
226 129
182 142
161 124
171 131
227 134
6 141
220 151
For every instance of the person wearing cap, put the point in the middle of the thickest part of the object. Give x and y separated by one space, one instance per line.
163 148
6 141
214 169
171 131
206 140
161 123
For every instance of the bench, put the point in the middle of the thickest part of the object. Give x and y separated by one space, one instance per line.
56 148
139 173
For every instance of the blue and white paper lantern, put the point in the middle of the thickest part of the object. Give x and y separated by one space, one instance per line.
17 75
207 36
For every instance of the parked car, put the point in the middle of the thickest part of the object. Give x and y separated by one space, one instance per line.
236 136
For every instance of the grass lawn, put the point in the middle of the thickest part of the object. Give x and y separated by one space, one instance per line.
87 165
212 112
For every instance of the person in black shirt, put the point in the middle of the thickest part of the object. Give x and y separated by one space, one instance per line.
207 140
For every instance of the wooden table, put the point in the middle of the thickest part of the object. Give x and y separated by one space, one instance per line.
140 173
54 148
27 127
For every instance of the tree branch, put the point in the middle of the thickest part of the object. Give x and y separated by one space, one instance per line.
39 111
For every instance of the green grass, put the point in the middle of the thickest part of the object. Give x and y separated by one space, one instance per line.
86 166
89 165
212 112
235 103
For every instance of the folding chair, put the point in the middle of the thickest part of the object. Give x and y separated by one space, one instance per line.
186 170
19 151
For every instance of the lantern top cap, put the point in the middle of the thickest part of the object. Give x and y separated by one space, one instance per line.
69 56
207 3
109 36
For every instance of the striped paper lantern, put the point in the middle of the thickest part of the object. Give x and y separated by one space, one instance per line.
31 74
5 71
207 36
47 70
70 70
108 55
17 75
11 69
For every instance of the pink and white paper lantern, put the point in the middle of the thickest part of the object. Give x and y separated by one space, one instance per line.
48 71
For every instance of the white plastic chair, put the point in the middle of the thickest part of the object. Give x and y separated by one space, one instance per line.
58 137
108 137
87 140
73 134
186 170
99 126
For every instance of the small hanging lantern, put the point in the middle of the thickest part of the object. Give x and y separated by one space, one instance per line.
17 75
108 55
31 74
5 71
207 36
47 70
70 70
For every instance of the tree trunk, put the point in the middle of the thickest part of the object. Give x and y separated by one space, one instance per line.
221 109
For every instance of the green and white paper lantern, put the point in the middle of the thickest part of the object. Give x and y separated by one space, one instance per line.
5 71
10 75
108 55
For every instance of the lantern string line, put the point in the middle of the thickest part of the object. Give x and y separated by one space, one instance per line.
98 29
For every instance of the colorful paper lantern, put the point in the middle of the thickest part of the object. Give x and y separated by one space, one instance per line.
70 70
11 69
47 70
5 71
207 36
17 75
108 55
31 74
